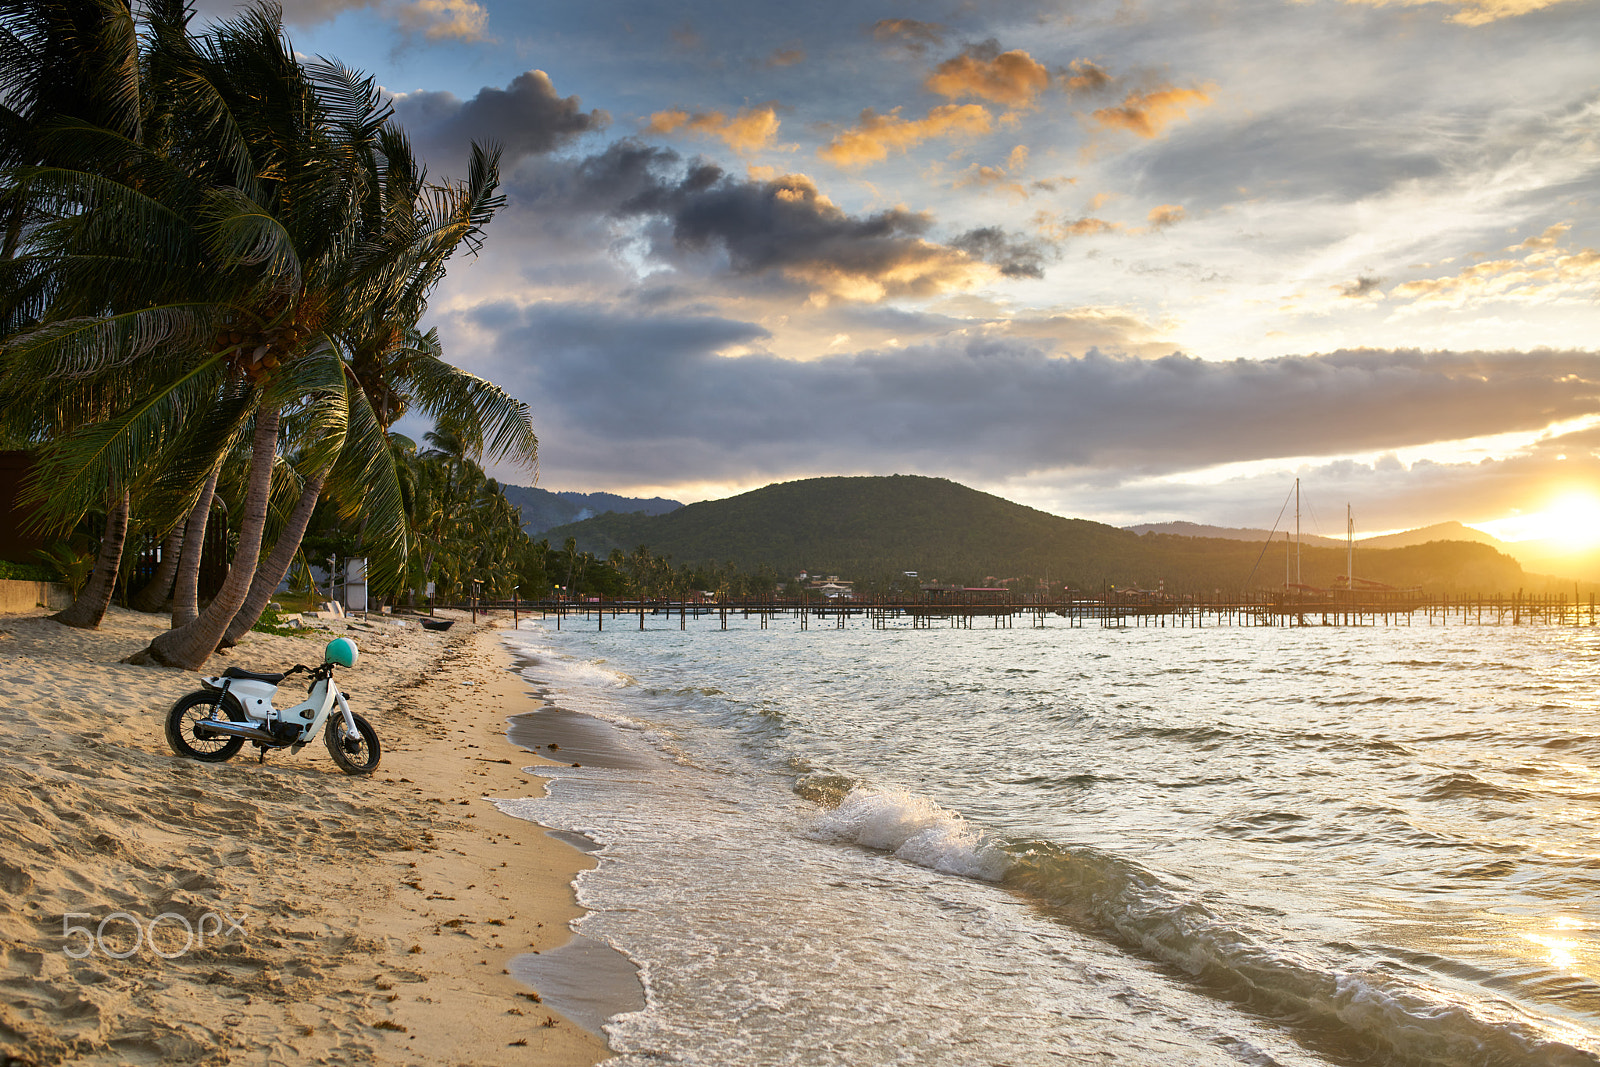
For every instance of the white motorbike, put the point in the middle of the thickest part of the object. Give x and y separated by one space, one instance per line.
213 723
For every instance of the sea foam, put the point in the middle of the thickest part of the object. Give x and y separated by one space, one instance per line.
916 830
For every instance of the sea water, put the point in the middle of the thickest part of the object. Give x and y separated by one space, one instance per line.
1366 845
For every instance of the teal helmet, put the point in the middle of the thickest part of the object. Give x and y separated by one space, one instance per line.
340 650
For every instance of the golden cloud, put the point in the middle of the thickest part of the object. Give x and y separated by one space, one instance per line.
1085 77
445 20
925 269
1473 12
1164 215
1012 79
1059 228
1548 239
1000 177
870 140
993 178
1547 274
751 130
1147 114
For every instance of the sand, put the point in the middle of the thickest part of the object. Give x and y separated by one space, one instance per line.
345 919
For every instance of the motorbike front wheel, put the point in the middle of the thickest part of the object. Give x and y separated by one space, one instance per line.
353 757
188 712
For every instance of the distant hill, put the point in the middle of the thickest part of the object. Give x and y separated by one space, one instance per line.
870 530
1443 531
1548 563
1227 533
542 509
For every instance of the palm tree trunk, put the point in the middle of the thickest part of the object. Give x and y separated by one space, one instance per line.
186 591
191 645
276 565
86 611
154 595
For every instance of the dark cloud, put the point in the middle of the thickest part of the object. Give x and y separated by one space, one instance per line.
527 117
1016 258
1084 77
1364 286
654 396
697 217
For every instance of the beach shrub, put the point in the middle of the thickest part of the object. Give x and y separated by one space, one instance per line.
271 622
27 572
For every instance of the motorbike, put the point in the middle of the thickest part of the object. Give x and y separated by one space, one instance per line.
213 723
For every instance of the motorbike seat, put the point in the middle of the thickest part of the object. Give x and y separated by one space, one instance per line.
239 674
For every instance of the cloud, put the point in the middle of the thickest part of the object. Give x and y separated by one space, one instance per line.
443 20
1550 238
1012 79
870 140
696 218
786 57
1146 114
1164 215
751 130
1085 77
526 117
1547 274
1001 177
435 20
1059 228
1015 257
1473 12
1363 287
633 398
910 34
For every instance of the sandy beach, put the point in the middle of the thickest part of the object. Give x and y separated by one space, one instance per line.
334 919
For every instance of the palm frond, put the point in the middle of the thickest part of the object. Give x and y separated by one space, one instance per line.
76 471
88 346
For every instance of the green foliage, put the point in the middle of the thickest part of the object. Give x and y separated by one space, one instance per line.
271 622
71 564
28 572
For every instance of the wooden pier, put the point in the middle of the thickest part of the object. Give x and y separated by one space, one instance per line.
1111 611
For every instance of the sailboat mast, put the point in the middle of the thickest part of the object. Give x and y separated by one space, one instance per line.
1297 579
1349 549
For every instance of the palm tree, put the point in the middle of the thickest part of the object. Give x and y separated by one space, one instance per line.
248 243
270 235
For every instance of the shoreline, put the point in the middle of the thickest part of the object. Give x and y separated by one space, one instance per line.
368 919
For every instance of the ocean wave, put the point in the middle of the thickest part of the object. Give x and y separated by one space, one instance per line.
914 829
1462 786
1352 1017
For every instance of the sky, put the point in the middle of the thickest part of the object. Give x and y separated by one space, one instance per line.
1115 260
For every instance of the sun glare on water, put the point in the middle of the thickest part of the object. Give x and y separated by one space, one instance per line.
1571 522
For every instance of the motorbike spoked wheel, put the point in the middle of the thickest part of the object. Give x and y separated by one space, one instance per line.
187 713
353 757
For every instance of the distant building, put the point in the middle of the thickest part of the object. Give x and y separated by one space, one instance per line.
833 587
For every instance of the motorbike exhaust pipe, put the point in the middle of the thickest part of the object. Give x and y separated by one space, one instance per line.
237 729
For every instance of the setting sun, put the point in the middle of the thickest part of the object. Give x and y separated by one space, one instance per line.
1570 522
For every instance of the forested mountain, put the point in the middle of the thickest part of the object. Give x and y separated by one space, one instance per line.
542 508
873 529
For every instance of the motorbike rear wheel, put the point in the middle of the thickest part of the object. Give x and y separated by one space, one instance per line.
353 757
188 712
